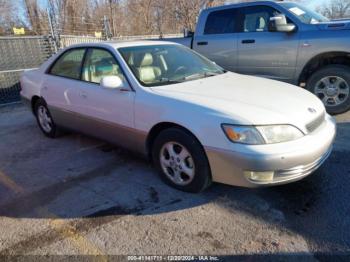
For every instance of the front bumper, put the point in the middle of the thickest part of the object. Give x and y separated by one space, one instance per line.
289 161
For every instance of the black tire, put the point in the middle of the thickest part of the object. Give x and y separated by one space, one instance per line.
54 130
202 174
339 71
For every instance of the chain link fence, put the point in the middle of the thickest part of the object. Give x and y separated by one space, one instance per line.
9 86
20 53
24 52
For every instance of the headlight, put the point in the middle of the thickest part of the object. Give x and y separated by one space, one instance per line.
243 134
261 134
279 134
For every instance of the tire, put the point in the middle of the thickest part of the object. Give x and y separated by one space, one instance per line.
189 169
45 120
332 85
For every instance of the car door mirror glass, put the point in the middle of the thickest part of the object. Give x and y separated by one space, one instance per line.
111 82
279 23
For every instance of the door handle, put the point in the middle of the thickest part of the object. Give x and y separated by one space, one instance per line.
202 43
248 41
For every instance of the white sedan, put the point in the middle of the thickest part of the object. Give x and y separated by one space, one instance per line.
197 122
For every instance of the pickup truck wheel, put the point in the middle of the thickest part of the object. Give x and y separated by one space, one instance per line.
332 85
45 120
181 160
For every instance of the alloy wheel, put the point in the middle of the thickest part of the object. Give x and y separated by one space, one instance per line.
332 90
177 163
44 119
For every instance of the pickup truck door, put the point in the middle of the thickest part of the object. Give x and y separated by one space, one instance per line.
218 41
264 53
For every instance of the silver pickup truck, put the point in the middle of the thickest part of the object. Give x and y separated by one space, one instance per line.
279 40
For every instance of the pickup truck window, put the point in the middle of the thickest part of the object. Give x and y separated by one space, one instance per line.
256 18
220 22
99 63
69 64
304 14
167 64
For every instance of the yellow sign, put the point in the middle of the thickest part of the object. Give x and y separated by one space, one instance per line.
98 34
18 31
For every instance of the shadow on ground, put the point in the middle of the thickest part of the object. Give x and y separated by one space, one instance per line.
317 207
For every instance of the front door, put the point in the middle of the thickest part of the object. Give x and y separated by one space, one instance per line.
109 113
264 53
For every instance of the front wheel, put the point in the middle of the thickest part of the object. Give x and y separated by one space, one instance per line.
332 85
181 160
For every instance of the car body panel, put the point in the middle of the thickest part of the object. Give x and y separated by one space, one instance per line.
276 55
126 117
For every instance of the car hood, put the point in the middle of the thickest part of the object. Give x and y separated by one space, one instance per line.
249 100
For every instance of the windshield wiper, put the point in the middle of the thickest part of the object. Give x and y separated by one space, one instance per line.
208 74
194 76
201 75
165 81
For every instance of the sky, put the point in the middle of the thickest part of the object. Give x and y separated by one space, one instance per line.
315 3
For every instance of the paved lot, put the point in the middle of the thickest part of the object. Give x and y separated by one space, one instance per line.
76 195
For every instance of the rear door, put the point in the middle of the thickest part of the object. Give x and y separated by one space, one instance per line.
218 40
61 85
264 53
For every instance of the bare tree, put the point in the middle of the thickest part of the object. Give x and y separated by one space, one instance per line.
7 16
336 9
125 17
34 15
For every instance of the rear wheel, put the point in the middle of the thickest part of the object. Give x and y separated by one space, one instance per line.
181 160
44 119
332 85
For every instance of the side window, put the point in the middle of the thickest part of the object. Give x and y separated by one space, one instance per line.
100 63
220 22
256 18
69 64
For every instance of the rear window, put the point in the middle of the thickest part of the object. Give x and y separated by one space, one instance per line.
220 22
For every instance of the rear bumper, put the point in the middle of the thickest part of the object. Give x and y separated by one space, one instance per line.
290 161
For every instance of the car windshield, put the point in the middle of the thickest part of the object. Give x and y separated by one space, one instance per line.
304 14
155 65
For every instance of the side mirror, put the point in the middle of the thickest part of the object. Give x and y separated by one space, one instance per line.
111 82
188 33
279 24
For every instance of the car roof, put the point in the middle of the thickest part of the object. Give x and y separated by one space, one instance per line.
120 44
243 4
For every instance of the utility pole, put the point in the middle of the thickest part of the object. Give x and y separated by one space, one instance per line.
53 35
106 28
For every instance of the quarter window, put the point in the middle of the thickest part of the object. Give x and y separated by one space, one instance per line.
220 22
69 64
100 63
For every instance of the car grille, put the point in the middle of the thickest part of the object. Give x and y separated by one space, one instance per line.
314 124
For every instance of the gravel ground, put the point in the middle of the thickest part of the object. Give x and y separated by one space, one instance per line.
76 195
